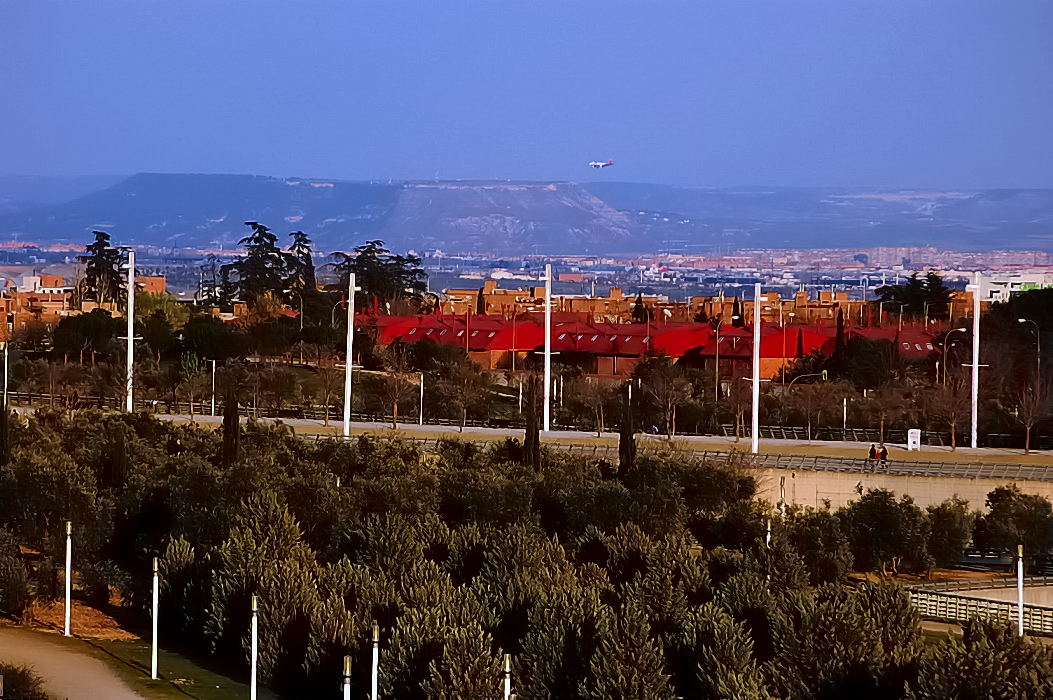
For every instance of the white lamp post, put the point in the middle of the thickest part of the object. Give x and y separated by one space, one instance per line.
254 650
420 414
1038 350
946 346
1020 590
375 673
153 623
975 384
548 348
69 573
757 299
130 361
351 289
213 387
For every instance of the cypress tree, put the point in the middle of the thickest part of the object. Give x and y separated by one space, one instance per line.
736 314
5 437
231 428
532 439
626 437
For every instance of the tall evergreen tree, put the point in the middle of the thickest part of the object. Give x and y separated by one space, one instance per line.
102 277
231 427
5 437
641 314
737 321
383 277
532 439
263 269
626 436
301 263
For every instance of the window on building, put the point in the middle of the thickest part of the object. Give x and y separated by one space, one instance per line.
412 331
906 346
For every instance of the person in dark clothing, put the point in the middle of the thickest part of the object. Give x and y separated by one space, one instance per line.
873 453
884 453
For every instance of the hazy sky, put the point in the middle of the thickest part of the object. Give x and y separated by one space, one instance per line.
941 93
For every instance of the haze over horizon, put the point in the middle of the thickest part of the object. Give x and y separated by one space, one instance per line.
886 95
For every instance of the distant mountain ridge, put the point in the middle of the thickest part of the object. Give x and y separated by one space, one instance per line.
510 218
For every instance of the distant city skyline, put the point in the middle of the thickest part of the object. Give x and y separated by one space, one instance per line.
868 94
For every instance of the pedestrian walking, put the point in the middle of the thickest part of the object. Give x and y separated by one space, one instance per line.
873 452
884 453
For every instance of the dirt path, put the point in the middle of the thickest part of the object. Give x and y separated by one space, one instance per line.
67 673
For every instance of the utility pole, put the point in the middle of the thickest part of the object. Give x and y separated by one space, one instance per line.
347 354
975 388
375 674
130 361
757 299
153 624
69 572
1020 590
548 348
254 651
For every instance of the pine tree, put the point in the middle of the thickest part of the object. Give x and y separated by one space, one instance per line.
724 664
263 269
102 277
301 263
988 661
467 668
629 664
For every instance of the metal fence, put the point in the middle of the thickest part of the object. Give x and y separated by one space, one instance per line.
954 607
962 470
987 583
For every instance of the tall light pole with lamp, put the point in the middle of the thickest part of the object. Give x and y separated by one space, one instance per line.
130 359
351 289
1038 347
946 346
975 288
548 347
757 299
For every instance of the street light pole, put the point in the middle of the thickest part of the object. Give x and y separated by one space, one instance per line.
347 354
130 361
716 362
548 347
69 574
757 299
1038 352
975 388
213 387
946 345
153 624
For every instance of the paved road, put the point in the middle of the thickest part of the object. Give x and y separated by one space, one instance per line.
66 673
695 442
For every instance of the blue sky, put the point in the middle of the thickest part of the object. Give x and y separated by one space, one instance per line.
949 94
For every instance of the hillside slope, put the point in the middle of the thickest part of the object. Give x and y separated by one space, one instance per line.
208 211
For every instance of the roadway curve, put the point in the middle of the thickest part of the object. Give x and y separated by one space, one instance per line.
67 673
